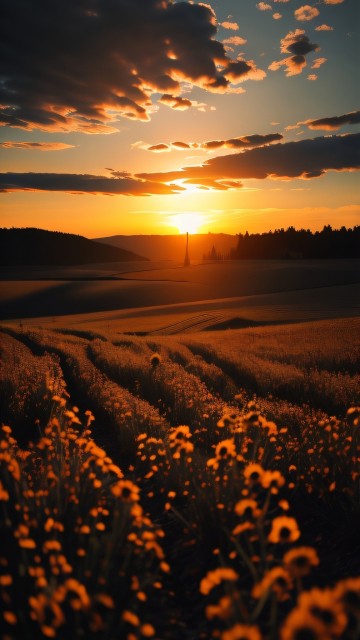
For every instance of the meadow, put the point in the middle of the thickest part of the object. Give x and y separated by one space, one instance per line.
183 472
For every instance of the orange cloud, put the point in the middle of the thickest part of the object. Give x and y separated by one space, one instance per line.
324 27
264 6
36 146
306 12
175 102
318 62
230 25
298 44
243 142
235 40
333 123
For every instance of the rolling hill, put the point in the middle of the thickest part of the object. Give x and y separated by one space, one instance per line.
20 247
172 247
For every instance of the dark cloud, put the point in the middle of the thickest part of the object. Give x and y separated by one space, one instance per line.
78 65
298 44
243 142
333 123
303 159
159 147
180 145
175 102
36 146
121 183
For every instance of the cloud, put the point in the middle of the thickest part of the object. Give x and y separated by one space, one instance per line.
312 76
243 142
298 44
277 16
181 145
175 102
235 40
233 26
333 1
306 12
324 27
305 159
264 6
242 70
318 62
121 183
36 146
333 123
79 66
159 147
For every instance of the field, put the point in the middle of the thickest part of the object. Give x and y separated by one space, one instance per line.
182 460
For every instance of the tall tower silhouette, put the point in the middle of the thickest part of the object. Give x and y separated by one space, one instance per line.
187 259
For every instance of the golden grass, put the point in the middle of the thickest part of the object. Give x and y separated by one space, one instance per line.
227 507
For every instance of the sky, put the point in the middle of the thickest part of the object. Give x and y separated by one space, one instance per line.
158 116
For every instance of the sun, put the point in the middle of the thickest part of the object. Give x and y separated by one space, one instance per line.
187 222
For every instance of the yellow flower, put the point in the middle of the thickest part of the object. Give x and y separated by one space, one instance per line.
147 630
277 580
300 560
272 480
224 451
126 490
300 624
214 578
221 610
131 618
323 607
248 508
242 632
284 529
348 593
253 473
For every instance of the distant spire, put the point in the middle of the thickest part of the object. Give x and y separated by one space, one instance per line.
187 259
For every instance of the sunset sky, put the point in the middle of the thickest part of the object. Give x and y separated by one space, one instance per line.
152 116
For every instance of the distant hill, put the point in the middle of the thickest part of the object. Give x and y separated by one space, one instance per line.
20 247
172 247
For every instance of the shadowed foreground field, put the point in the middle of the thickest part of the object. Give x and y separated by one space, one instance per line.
317 288
182 483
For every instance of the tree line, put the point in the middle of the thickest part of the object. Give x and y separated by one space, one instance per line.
292 243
